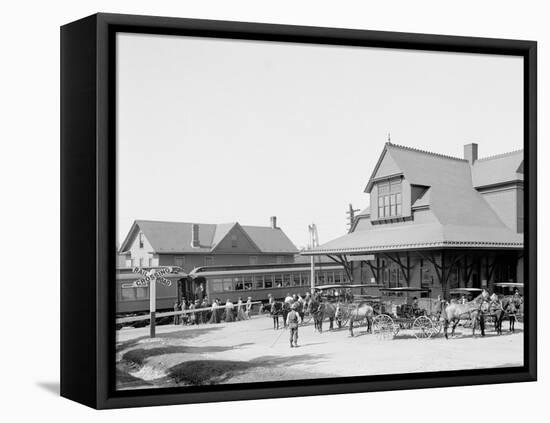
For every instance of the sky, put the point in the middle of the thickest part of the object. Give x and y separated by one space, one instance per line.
218 130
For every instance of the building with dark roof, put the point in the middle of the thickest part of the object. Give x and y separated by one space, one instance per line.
190 245
437 222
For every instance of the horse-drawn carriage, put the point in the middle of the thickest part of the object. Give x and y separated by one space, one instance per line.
400 309
505 291
464 295
494 309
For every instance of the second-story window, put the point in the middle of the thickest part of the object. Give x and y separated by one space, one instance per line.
141 240
179 261
208 261
233 241
389 199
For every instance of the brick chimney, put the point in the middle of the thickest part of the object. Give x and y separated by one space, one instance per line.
273 220
195 243
470 152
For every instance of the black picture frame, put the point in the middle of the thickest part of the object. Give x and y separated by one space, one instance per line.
88 208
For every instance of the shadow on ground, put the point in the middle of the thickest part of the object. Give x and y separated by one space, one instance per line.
213 372
208 372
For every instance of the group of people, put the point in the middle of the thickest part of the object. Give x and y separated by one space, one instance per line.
211 312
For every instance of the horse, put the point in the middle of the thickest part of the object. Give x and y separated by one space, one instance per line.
275 311
357 313
329 310
453 312
498 309
300 307
512 306
316 310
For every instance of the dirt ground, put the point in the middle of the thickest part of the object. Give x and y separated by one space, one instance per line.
251 351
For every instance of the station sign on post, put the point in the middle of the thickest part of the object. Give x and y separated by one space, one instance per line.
150 279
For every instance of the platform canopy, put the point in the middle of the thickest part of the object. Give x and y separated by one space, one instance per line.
421 236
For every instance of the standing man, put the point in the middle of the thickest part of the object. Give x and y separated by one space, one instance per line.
240 312
192 316
183 308
248 307
203 314
293 321
176 309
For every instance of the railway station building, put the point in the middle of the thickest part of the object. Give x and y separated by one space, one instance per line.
436 222
191 245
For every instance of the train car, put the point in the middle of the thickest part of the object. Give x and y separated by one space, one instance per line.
131 299
257 281
223 282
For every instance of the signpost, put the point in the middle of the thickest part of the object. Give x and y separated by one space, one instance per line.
314 242
150 278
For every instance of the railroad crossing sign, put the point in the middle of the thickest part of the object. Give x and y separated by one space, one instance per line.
152 275
150 279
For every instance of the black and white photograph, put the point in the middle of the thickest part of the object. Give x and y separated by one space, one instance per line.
281 211
289 211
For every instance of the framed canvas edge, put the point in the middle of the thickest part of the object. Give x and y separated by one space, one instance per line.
107 25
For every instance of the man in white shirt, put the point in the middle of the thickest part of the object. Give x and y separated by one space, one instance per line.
293 321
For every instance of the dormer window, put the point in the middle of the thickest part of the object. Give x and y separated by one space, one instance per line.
389 199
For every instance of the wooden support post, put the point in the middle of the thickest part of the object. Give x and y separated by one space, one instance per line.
152 306
312 275
405 269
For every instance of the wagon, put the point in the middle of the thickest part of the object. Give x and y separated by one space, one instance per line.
404 315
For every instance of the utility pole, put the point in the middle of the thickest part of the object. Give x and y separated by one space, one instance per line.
313 242
351 216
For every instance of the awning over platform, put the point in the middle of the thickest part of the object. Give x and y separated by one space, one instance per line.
402 237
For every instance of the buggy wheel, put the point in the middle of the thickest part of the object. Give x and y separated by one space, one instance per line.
383 326
423 328
345 320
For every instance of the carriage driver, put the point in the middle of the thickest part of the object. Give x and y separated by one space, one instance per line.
293 320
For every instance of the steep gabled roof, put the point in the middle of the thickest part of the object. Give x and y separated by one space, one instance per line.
167 237
222 229
270 240
500 169
452 198
462 216
176 237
